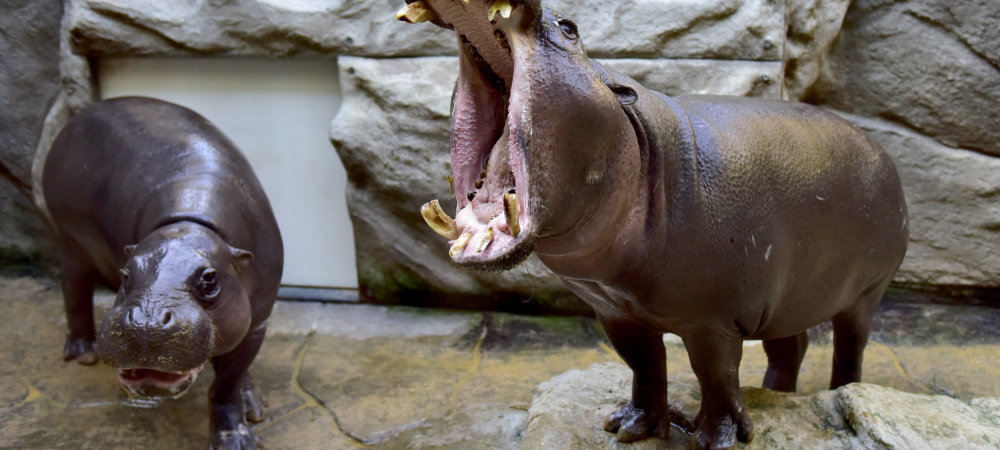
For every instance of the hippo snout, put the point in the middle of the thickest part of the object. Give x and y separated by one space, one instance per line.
172 337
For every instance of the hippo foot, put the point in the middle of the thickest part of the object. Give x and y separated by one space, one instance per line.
721 432
253 406
632 424
239 439
82 350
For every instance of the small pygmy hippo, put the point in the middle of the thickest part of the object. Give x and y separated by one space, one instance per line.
715 218
151 199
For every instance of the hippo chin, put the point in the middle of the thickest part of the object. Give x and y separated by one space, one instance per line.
149 198
715 218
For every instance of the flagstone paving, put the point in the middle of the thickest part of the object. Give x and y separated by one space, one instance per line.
353 375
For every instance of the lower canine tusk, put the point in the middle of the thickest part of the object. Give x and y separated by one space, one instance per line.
416 12
438 220
510 211
462 241
503 6
487 239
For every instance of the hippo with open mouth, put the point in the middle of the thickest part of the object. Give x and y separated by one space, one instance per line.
715 218
150 198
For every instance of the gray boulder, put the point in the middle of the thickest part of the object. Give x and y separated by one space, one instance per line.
567 412
932 66
29 84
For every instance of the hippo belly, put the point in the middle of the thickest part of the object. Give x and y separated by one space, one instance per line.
151 199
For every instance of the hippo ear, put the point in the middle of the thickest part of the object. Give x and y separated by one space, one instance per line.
625 94
129 250
241 258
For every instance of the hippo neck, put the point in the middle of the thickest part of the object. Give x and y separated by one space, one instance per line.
663 183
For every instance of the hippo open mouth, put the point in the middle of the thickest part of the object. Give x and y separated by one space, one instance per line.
491 130
152 383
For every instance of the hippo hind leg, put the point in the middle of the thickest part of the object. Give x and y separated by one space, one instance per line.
646 414
228 396
784 356
851 328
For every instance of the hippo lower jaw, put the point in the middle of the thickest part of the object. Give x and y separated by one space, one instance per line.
144 383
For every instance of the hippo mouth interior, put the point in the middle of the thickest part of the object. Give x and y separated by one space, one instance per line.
152 383
493 227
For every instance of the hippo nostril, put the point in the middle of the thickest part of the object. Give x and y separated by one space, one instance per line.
128 318
167 319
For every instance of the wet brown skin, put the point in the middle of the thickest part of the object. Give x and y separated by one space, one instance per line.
715 218
149 198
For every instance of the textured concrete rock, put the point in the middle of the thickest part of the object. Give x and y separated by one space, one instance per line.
953 197
722 29
714 29
703 76
29 83
568 409
933 66
392 134
812 27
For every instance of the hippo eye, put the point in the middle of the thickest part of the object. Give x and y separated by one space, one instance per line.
124 279
568 28
208 283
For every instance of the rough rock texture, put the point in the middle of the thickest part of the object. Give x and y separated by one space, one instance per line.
812 27
931 65
29 83
723 29
568 409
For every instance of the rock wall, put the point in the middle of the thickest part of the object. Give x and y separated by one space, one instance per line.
29 84
567 411
925 75
921 76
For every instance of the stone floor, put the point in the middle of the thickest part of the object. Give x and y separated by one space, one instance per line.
350 375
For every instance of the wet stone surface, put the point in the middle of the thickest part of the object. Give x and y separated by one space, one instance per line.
349 376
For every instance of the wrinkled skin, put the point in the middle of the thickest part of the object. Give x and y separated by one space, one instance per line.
150 199
715 218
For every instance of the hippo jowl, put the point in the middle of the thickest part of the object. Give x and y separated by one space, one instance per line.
715 218
151 199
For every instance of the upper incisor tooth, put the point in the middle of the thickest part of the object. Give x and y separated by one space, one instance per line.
438 220
416 12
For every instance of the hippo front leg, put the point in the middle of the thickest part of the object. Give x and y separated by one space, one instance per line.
715 357
642 349
77 281
231 398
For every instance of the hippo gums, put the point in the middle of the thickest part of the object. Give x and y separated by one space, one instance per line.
715 218
151 199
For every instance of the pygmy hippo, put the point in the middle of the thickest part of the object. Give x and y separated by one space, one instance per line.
716 218
151 199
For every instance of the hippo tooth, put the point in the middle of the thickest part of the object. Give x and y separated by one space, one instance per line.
503 6
510 210
438 220
459 244
487 239
416 12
